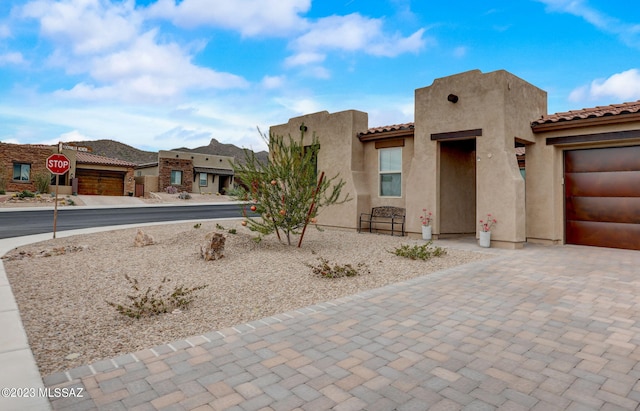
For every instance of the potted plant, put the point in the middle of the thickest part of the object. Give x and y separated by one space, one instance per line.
426 218
485 230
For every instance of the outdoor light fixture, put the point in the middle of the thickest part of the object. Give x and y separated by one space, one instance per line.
452 98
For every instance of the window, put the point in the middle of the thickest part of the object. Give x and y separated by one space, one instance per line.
390 169
21 171
176 177
203 179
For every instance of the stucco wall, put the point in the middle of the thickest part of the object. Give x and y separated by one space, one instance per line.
496 103
341 153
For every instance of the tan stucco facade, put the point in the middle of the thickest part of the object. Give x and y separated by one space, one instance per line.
458 159
216 171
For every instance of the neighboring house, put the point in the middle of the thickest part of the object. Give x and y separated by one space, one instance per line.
88 174
483 143
192 172
20 163
99 175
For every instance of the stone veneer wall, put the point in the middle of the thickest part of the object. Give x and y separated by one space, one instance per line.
169 164
36 156
129 181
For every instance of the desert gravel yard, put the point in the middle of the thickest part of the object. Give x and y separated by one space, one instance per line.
63 297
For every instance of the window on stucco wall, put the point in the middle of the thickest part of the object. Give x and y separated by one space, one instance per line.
176 177
21 172
203 179
390 170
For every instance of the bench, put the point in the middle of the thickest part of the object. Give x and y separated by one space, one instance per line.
387 215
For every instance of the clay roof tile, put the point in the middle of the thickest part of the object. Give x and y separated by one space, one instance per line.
88 158
594 112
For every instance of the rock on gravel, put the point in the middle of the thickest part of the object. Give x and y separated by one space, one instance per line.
63 298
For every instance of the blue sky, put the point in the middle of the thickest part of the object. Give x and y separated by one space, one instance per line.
161 74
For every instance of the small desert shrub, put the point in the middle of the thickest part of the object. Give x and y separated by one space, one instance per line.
419 252
26 194
197 225
3 181
42 181
171 190
70 201
184 196
150 302
232 231
220 226
326 270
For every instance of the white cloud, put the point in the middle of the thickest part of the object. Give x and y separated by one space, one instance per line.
11 58
118 61
357 33
302 59
86 26
300 106
74 135
619 87
460 51
249 17
627 32
4 31
273 82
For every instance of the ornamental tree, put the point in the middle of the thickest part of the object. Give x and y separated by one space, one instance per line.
286 193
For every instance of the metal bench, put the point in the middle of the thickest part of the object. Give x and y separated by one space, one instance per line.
385 215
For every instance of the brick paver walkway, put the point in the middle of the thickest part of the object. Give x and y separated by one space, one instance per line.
544 328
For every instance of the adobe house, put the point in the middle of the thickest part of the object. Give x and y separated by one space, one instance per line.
191 172
463 158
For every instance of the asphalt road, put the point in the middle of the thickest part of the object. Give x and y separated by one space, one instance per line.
28 222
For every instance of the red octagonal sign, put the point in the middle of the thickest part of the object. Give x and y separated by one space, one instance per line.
58 164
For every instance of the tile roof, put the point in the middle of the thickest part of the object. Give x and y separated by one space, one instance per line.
393 127
88 158
595 112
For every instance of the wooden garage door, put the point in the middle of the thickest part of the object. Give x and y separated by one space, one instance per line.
602 197
100 182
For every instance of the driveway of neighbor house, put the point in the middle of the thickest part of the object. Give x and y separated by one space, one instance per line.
541 328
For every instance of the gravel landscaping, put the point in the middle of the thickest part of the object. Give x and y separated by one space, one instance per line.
62 286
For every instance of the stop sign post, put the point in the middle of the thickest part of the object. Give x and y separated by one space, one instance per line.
57 164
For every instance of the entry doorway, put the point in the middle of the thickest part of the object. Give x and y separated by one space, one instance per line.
458 187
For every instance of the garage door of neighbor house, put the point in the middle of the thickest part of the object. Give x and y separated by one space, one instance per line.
100 182
602 197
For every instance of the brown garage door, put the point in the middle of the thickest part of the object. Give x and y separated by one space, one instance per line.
100 182
602 197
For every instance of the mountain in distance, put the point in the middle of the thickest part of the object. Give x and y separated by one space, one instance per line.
115 149
221 149
121 151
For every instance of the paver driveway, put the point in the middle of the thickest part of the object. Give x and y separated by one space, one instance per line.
542 328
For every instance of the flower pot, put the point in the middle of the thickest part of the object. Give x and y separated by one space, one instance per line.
485 239
426 232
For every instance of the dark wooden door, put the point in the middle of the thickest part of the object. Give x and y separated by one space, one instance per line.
100 182
602 197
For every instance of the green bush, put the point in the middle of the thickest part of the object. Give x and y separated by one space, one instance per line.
3 180
156 301
26 194
419 252
326 270
42 181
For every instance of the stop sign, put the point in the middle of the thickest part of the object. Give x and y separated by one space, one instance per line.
58 164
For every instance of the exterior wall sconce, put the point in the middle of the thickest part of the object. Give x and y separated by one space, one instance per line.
452 98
